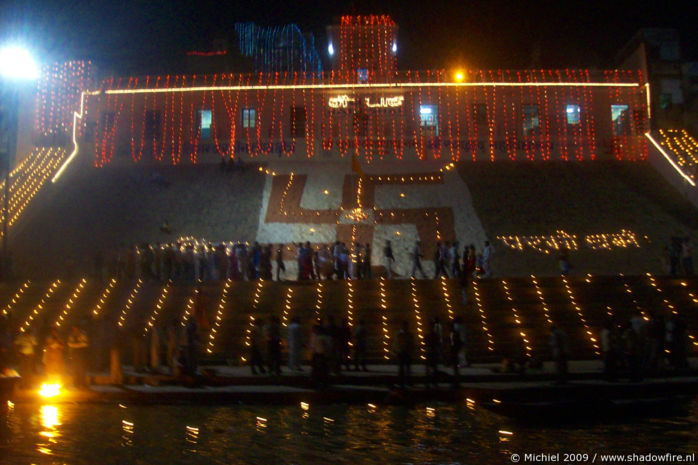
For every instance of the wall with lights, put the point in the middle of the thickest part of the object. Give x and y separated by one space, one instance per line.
490 115
58 95
367 43
277 49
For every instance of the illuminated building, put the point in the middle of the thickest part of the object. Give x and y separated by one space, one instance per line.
365 107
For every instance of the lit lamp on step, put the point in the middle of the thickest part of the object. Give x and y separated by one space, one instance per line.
16 67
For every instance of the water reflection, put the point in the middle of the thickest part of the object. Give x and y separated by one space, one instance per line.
127 429
192 438
373 435
49 435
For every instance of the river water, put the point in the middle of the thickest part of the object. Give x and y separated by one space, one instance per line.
435 433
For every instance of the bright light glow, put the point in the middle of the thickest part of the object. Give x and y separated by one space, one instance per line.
50 390
671 162
459 76
330 49
17 63
72 155
49 416
394 47
425 110
385 85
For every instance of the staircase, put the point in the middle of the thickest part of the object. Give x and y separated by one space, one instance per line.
578 305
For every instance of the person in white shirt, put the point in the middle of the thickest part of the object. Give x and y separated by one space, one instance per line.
294 345
486 257
417 259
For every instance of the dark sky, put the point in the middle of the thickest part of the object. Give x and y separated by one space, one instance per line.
132 37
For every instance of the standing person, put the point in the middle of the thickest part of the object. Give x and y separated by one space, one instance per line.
608 350
355 262
192 335
564 259
256 334
368 274
78 351
314 258
251 265
309 261
687 257
343 261
333 352
403 350
471 261
336 250
274 346
257 258
388 258
459 326
360 345
325 263
431 343
319 341
241 255
632 351
280 267
656 338
464 280
200 309
294 345
559 346
53 356
456 346
486 258
344 342
438 329
417 259
173 347
155 349
300 258
454 258
265 262
439 261
25 344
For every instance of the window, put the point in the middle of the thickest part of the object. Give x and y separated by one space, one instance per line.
620 120
205 123
362 75
249 118
665 101
573 113
297 121
531 122
480 114
429 117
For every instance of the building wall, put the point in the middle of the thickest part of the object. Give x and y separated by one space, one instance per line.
481 122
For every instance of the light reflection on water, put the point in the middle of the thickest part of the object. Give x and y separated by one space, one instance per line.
318 434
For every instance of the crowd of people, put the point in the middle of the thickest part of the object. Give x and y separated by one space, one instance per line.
645 344
55 359
193 261
642 345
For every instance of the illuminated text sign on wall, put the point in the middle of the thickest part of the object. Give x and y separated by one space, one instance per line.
385 102
342 101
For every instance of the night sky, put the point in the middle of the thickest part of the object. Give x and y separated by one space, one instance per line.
134 37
